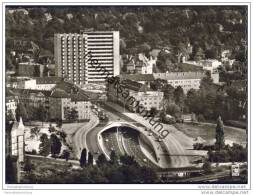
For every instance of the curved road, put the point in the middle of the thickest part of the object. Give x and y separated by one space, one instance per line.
174 147
79 137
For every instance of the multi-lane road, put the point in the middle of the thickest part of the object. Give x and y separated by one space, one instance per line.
178 154
79 139
87 137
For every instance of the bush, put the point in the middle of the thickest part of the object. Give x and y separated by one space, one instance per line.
201 118
207 167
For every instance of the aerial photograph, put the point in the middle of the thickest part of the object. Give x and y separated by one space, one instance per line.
125 94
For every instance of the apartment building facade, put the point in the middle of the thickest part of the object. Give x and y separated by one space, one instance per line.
187 80
140 93
69 53
72 61
60 103
11 105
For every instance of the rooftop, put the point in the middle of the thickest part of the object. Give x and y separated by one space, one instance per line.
30 91
47 80
137 77
179 75
133 85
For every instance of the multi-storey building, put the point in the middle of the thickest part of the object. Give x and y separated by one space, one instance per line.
187 80
210 64
138 93
140 64
64 95
47 83
33 98
11 102
60 103
72 61
29 69
104 47
69 52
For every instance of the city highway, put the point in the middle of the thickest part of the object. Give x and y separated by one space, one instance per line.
172 146
79 137
132 146
124 145
171 141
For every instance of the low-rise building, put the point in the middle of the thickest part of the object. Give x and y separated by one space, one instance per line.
33 98
62 97
140 78
137 94
187 80
11 102
210 64
47 83
140 64
38 83
144 65
26 84
225 54
30 69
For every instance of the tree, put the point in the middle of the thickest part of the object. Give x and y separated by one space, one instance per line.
36 71
83 158
10 116
158 84
168 91
114 158
101 160
28 166
148 175
90 158
220 143
59 123
192 101
21 112
128 160
51 128
10 170
35 131
153 111
74 114
174 110
206 81
179 97
211 53
144 48
55 145
63 135
66 155
70 115
44 147
42 113
207 167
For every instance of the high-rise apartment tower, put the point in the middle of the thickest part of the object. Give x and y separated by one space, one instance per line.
70 51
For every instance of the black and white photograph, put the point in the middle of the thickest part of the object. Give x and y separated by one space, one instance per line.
126 94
